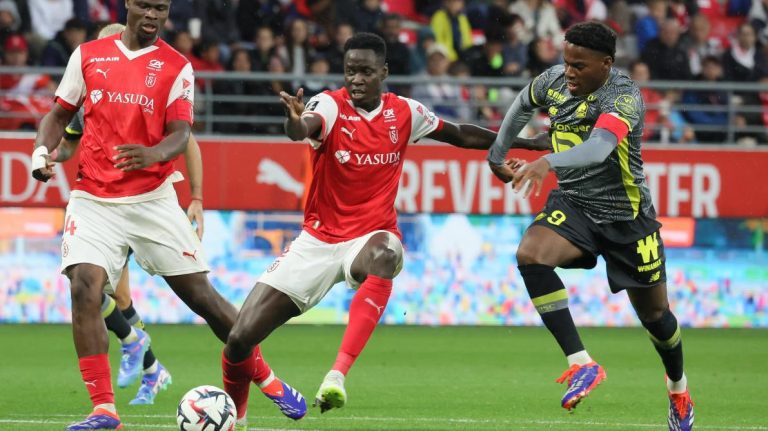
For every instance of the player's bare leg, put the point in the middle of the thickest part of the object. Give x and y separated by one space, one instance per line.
375 266
652 308
91 344
265 309
540 251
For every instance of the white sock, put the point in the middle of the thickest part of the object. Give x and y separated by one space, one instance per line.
133 336
152 369
106 406
679 386
579 358
335 374
268 380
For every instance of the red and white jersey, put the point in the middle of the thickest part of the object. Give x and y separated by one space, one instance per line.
129 97
357 163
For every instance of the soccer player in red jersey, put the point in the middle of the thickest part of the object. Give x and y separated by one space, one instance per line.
350 233
137 92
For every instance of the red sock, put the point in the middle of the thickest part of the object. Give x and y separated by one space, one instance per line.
364 313
263 369
97 378
237 381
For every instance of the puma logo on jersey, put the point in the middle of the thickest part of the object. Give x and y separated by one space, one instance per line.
188 254
379 308
350 134
103 72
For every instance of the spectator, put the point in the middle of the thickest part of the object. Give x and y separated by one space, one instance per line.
487 59
541 56
714 121
318 67
699 43
398 53
647 28
485 15
745 61
272 90
425 38
10 20
573 11
218 21
179 16
209 61
49 16
368 16
57 51
441 96
265 48
460 71
335 53
24 93
540 19
451 28
182 41
514 52
665 54
662 123
297 47
253 14
240 62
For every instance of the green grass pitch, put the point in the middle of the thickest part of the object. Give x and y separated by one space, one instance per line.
410 378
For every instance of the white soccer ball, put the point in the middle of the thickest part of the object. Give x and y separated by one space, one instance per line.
206 408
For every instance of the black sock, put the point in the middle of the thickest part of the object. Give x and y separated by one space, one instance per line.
149 358
665 335
114 319
133 317
551 300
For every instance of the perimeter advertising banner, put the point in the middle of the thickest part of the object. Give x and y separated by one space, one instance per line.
270 175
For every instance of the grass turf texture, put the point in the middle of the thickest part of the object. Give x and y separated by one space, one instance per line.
409 378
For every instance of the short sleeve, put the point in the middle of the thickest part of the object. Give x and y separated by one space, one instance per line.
71 90
324 107
184 86
423 121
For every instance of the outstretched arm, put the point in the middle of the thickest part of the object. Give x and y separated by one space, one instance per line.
297 127
464 136
194 161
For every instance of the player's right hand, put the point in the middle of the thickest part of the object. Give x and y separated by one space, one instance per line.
46 172
294 105
506 172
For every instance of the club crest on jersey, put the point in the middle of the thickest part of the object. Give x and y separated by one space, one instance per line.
150 80
393 134
155 65
342 156
389 115
96 96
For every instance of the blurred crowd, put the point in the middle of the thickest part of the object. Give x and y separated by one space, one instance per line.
692 40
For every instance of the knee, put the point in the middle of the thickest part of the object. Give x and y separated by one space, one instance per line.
85 292
239 346
652 314
384 261
528 254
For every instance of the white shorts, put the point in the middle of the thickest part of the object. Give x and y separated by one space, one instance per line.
160 234
310 267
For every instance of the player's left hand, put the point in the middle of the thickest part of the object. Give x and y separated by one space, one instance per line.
506 171
46 172
530 177
135 156
195 215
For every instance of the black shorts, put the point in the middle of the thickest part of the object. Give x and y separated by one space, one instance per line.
633 250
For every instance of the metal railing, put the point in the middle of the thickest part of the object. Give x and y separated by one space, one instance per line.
484 107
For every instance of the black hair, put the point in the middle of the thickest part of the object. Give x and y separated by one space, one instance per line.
368 41
593 35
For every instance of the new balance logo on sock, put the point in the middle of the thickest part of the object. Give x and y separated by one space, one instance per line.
379 308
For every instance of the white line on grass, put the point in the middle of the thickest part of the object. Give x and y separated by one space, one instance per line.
410 419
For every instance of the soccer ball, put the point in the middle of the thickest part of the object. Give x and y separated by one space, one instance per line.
206 408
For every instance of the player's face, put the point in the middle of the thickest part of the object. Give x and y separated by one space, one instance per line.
585 70
146 18
363 75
